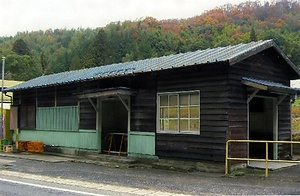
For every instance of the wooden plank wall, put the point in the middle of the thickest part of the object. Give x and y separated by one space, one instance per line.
143 111
87 113
65 95
261 66
46 97
87 116
211 80
27 109
27 97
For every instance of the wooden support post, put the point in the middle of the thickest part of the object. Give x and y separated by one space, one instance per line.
267 157
226 159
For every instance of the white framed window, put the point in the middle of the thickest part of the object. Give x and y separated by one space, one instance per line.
178 112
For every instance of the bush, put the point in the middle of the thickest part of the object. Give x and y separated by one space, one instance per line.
296 137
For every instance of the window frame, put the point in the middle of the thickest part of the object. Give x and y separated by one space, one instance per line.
179 118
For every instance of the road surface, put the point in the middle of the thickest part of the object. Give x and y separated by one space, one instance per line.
31 177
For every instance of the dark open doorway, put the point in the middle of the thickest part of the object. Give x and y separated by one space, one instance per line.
262 126
114 126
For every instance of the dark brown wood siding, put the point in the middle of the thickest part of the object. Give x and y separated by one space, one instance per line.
87 113
264 66
87 117
27 105
211 80
65 95
143 103
46 97
143 110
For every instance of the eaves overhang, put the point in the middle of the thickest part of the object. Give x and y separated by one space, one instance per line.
270 86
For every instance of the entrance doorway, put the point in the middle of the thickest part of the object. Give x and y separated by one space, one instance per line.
262 126
114 126
113 111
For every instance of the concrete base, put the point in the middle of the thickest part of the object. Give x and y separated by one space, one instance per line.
271 165
182 165
68 151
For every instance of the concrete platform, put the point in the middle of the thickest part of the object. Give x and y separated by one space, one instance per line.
271 165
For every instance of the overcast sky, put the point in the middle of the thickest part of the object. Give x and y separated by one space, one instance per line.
31 15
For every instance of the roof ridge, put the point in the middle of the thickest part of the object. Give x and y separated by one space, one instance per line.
231 54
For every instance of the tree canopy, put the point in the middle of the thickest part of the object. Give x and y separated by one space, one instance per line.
31 54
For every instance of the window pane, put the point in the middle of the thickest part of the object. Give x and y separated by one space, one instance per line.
173 100
184 99
161 124
173 125
164 100
163 112
164 124
194 111
195 99
173 112
194 125
184 112
179 112
184 125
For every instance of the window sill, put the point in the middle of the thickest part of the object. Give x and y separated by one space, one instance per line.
178 133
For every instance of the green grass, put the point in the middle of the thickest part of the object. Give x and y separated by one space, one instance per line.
296 116
296 103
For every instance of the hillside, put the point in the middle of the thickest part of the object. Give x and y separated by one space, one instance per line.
31 54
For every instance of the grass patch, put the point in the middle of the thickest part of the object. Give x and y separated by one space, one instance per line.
296 116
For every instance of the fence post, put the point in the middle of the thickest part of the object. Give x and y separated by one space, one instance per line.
267 157
226 159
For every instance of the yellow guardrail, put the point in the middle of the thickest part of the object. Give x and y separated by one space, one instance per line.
266 160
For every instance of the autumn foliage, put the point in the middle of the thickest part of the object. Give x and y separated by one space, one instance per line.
59 50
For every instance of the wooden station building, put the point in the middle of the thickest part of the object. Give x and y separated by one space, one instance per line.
184 105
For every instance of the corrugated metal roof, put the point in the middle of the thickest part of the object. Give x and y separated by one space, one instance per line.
231 54
272 86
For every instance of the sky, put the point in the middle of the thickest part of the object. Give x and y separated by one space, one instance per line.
33 15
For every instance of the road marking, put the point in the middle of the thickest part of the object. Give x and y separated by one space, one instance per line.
91 185
49 187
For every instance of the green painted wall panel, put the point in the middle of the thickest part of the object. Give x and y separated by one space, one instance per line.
57 118
82 139
142 143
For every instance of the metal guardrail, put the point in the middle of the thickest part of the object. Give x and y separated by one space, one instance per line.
266 160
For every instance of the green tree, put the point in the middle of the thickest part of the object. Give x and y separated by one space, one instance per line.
20 47
253 35
21 67
99 52
44 63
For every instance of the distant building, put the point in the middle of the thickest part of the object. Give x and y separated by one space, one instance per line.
7 97
296 84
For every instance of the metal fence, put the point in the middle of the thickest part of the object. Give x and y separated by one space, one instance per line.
266 159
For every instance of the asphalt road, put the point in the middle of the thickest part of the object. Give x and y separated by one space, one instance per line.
83 177
17 187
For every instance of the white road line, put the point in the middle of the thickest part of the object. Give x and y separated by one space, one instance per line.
91 185
49 187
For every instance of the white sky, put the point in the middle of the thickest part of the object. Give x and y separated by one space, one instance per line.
32 15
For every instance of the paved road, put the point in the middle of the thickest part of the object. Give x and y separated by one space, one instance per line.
17 187
146 181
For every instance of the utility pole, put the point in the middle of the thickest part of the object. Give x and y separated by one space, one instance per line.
2 110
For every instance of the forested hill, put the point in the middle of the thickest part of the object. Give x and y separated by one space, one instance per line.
31 54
